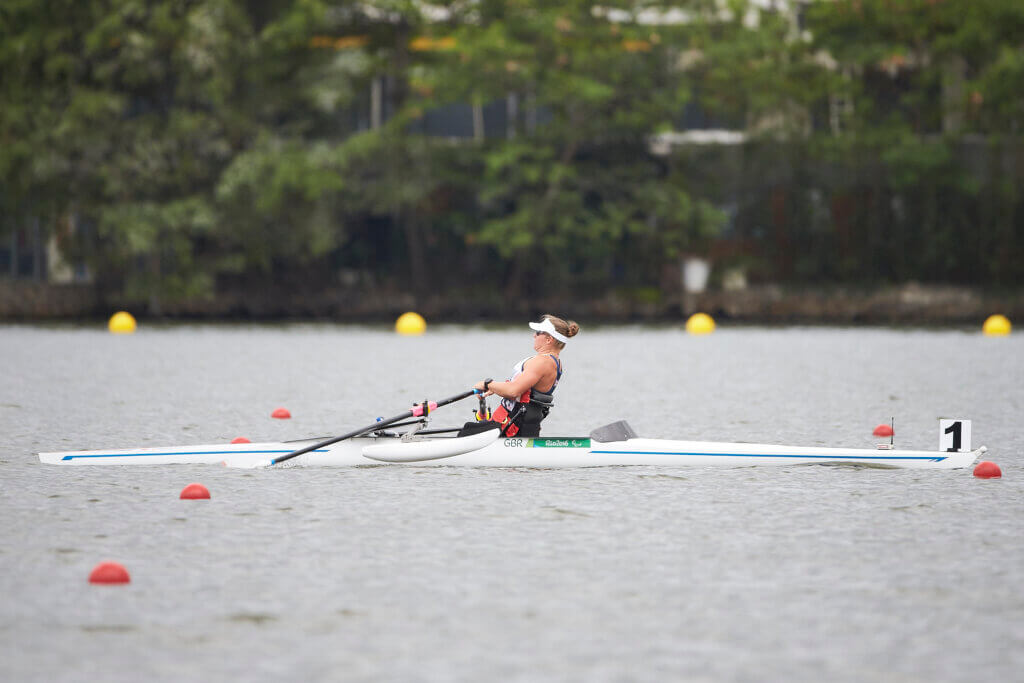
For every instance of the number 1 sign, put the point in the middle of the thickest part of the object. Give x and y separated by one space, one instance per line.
954 435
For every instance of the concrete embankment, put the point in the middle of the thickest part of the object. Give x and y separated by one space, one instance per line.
907 304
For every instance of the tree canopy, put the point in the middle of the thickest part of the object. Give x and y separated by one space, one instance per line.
512 143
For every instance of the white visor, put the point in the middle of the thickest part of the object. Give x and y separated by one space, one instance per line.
547 326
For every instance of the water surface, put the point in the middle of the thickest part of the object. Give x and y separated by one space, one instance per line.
608 574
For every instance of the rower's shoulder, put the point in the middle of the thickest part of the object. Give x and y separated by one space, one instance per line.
551 359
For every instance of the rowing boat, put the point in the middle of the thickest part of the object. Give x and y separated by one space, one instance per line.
611 445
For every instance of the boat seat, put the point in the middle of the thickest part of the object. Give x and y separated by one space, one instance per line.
616 431
471 428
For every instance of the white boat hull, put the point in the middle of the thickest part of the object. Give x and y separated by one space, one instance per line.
421 450
518 452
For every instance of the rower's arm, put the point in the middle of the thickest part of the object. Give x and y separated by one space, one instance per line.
515 388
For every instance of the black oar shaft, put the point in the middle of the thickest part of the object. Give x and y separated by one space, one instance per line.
417 411
307 449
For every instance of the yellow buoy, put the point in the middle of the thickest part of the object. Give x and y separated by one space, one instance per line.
700 323
410 324
996 326
121 322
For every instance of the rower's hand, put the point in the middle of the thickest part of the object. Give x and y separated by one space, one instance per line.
479 386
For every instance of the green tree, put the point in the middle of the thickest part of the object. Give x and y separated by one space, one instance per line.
123 109
931 117
573 177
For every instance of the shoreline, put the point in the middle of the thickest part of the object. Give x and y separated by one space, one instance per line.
910 304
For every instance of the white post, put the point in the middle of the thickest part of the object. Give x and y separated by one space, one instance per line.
376 97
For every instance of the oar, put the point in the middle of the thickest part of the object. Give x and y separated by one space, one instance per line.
418 410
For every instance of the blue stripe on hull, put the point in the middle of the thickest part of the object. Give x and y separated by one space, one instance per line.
778 455
593 452
145 455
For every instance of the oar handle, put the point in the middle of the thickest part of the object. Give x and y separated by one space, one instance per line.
483 414
419 410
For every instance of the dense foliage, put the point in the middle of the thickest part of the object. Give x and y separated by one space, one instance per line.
183 146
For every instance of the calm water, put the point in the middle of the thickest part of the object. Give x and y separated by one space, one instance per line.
606 574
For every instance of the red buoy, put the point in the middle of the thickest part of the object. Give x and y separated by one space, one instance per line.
195 492
109 572
882 430
987 470
240 439
281 414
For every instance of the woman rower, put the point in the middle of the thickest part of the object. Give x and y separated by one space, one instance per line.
526 397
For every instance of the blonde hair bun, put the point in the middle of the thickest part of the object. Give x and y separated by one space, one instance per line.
569 329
